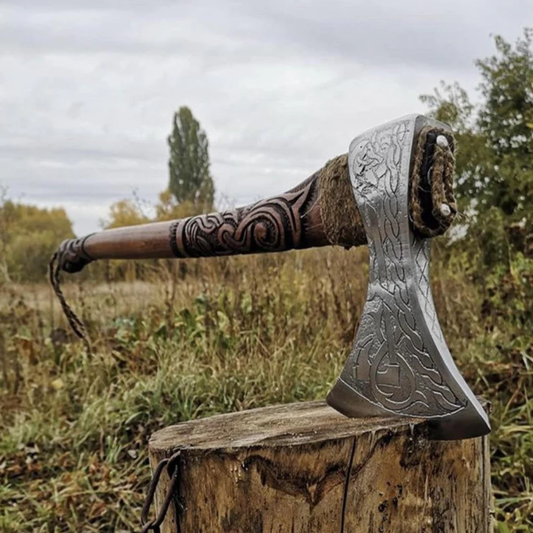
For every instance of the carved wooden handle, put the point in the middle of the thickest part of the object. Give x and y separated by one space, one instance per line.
300 218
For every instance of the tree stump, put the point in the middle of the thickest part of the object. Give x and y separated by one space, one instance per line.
305 468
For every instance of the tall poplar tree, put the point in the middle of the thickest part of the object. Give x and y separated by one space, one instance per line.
190 177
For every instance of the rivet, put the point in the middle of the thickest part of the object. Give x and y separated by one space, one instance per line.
445 210
442 141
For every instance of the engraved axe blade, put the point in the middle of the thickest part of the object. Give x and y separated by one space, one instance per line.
400 364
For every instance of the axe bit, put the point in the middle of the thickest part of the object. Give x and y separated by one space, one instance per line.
393 192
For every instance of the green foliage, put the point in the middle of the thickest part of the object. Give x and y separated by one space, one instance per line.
495 176
190 179
28 237
505 121
495 151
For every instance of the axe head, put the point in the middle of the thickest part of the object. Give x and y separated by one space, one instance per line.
400 364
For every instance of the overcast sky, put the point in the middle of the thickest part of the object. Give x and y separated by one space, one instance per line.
88 87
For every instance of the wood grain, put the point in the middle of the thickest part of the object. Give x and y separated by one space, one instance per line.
305 468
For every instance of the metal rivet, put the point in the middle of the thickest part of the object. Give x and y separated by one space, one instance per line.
442 141
445 210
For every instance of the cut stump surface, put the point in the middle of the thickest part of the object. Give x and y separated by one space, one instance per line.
304 468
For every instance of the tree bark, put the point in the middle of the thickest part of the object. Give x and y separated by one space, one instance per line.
305 468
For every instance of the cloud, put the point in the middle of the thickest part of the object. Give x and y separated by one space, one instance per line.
88 88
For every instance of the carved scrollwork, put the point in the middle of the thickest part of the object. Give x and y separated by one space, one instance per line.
272 225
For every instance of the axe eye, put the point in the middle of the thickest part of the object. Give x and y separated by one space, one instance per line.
429 199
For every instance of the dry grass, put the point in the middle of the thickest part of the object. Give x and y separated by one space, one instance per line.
224 335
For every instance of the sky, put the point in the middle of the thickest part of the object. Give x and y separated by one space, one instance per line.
88 87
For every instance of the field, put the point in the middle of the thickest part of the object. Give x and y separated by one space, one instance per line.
205 337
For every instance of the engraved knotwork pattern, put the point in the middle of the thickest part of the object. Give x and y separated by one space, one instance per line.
393 364
421 248
267 226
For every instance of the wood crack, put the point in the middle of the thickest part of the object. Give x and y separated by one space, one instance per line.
347 485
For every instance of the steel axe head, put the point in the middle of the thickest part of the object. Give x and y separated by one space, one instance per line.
400 364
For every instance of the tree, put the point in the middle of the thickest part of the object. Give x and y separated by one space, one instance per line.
5 233
190 179
495 147
29 236
506 122
125 213
495 176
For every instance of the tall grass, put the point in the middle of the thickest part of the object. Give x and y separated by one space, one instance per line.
205 337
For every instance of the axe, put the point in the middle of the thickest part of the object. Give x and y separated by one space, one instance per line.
393 191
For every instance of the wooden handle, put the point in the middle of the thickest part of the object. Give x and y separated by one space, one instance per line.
291 220
297 219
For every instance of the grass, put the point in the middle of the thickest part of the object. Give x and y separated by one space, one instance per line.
207 337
